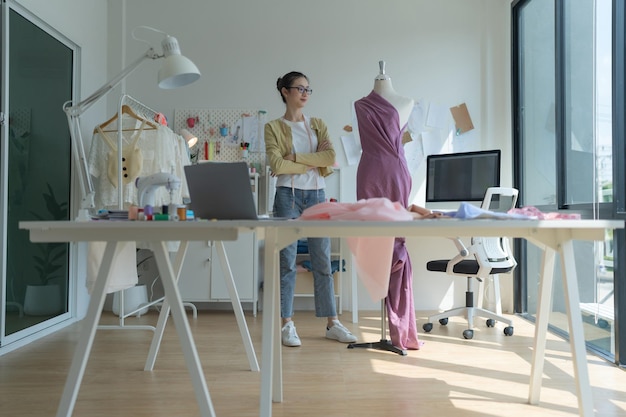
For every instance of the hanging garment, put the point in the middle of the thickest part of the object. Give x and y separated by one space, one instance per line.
124 267
383 172
160 151
132 158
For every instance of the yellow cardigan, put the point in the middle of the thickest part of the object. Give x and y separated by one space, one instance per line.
278 143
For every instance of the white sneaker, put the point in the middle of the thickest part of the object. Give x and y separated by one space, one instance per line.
289 335
340 333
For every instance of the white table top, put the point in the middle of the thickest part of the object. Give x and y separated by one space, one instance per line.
540 232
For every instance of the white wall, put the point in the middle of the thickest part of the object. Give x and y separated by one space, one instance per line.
445 52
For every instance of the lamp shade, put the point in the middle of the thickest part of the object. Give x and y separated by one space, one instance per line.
189 137
177 70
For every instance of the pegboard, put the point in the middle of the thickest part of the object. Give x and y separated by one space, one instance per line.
222 132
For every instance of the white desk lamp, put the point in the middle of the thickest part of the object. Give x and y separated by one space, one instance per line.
189 137
176 71
191 140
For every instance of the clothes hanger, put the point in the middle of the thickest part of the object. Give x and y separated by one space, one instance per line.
149 125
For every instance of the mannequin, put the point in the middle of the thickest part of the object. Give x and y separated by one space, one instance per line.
383 87
382 117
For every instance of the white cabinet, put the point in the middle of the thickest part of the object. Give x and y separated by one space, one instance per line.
203 279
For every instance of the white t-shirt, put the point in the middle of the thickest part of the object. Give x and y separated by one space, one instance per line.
304 140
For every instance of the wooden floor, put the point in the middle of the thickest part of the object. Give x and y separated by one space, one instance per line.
449 376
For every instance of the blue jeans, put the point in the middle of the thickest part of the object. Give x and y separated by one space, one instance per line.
291 203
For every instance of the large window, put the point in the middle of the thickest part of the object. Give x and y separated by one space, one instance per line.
563 92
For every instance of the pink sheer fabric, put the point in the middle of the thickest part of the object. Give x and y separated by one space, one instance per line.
534 213
374 255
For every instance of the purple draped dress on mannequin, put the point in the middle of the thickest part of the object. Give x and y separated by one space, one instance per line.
383 172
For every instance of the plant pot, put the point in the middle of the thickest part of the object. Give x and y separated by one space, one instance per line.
42 300
134 298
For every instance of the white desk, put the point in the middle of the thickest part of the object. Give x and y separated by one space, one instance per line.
156 234
552 236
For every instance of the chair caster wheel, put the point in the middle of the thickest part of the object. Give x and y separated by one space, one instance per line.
508 331
427 327
468 334
491 322
443 322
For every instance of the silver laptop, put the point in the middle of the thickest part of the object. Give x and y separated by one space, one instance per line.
220 190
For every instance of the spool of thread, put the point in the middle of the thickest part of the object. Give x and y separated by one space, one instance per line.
148 212
211 150
182 212
161 217
132 212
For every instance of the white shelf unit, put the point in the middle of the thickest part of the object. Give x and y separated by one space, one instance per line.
304 280
202 278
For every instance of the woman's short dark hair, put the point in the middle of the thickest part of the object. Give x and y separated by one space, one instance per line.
287 81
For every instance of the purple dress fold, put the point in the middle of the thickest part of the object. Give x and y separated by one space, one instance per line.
383 172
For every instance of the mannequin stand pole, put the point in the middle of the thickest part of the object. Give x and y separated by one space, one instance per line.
383 344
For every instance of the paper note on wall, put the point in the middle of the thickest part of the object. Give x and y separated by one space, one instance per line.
352 149
437 116
462 119
417 119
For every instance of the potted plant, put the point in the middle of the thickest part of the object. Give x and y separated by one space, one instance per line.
44 298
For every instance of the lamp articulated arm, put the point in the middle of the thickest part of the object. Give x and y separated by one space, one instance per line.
177 71
73 113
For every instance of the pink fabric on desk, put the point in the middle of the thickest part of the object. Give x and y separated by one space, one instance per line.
534 213
372 255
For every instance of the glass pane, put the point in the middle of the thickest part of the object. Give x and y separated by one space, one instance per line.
595 285
604 101
40 75
579 113
537 102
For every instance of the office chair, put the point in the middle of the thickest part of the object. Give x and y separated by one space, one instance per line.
486 256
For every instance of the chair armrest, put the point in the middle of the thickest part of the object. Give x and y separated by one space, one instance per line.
460 247
463 253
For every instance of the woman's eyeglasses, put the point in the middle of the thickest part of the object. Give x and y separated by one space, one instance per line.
301 89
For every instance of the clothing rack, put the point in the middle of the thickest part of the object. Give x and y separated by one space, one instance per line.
142 110
147 113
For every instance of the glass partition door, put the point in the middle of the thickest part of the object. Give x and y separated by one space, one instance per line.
35 161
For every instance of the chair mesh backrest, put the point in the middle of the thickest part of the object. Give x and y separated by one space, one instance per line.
498 199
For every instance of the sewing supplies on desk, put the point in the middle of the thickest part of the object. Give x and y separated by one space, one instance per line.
173 212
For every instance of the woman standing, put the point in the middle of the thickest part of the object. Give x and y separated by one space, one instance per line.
300 155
